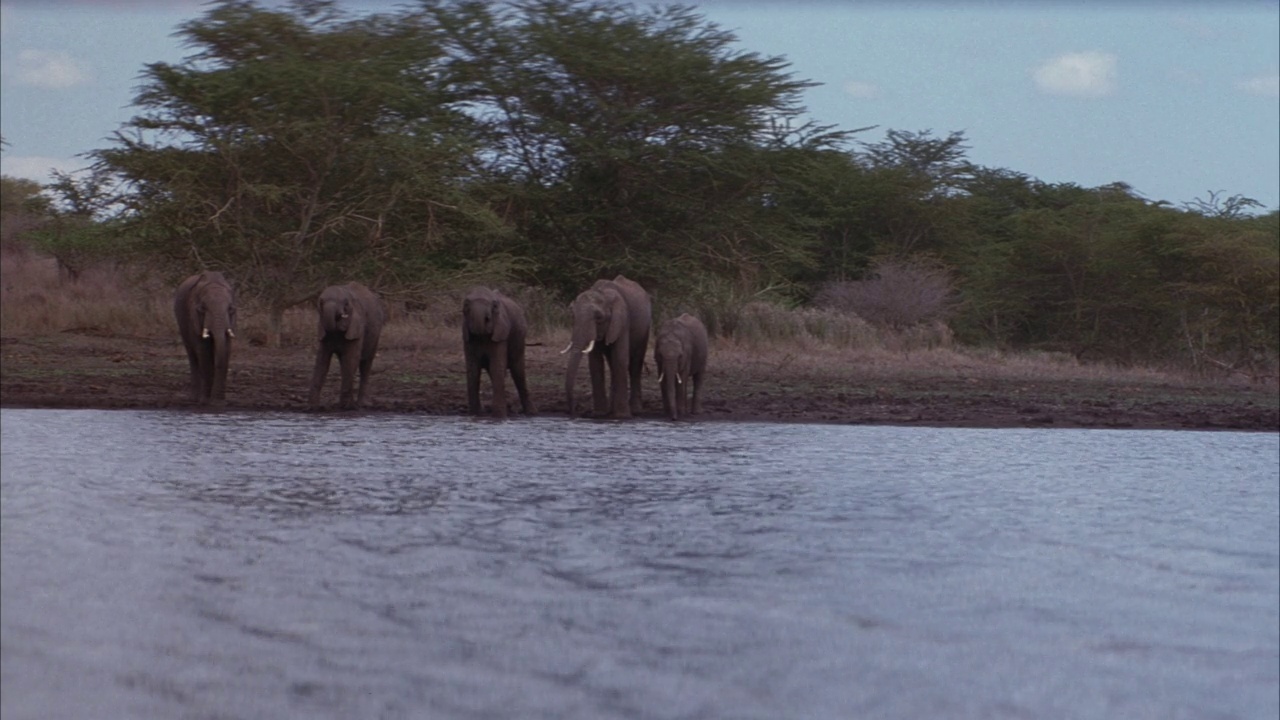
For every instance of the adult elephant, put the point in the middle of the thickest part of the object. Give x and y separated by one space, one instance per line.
680 354
611 323
493 337
351 319
204 306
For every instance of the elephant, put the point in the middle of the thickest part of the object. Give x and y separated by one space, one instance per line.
205 308
611 322
680 353
493 336
351 319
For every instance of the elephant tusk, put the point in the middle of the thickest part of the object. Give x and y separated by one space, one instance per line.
660 376
204 333
567 348
679 381
589 346
230 333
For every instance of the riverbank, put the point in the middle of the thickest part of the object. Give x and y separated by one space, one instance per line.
942 387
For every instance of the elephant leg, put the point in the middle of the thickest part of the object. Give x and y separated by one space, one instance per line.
518 377
682 397
348 360
619 373
366 378
193 361
697 388
599 399
498 377
473 383
323 357
637 369
205 373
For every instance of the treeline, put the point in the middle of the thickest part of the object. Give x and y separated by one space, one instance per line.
553 142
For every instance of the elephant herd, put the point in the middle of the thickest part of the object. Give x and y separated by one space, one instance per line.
611 326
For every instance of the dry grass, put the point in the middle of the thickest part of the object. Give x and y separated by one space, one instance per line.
761 325
812 358
35 299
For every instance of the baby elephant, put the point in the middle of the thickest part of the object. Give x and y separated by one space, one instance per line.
681 356
493 335
351 319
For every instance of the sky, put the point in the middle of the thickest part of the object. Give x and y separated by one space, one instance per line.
1178 99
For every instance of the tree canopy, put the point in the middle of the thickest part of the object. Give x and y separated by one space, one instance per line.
299 146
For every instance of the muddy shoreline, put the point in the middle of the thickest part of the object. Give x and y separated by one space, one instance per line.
84 370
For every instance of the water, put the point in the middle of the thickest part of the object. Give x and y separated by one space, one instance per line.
189 565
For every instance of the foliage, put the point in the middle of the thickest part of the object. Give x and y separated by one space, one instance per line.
300 147
19 196
1102 273
76 227
665 169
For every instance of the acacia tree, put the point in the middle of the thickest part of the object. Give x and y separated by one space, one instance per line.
917 180
79 228
634 140
296 147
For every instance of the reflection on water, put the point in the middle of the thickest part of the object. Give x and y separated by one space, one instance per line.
162 565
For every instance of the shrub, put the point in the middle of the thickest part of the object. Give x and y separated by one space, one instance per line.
897 294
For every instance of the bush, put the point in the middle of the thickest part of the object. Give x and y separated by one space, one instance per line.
896 294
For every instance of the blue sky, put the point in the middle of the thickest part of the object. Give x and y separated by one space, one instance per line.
1175 98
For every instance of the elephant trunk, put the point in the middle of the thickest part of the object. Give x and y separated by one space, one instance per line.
219 336
331 319
570 376
583 342
669 380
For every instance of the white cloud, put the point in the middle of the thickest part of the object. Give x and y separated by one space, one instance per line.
859 89
1264 85
46 69
1082 74
38 168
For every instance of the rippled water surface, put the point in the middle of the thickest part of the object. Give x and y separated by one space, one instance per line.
186 565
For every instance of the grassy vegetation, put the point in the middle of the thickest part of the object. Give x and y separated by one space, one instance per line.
767 341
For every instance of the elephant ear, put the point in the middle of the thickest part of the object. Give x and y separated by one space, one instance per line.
355 326
501 321
617 318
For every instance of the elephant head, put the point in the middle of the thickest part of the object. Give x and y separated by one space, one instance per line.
340 313
216 314
599 319
483 316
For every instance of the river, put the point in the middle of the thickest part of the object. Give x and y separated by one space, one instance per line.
240 565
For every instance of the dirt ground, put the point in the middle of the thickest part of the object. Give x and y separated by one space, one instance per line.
78 370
